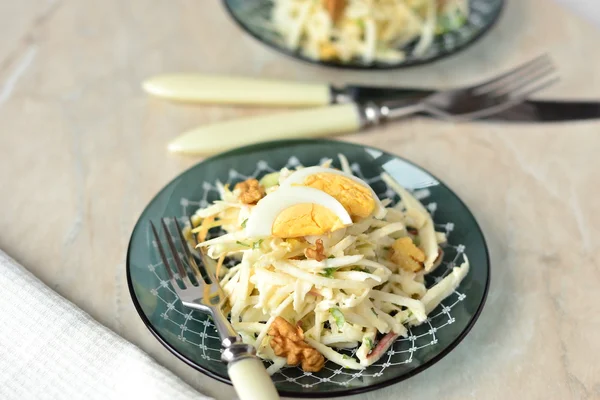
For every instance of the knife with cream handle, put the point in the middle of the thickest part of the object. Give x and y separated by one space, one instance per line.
215 89
313 122
198 88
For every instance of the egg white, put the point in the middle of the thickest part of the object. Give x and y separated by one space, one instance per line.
263 215
298 178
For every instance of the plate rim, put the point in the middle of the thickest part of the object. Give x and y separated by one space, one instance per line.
371 67
286 393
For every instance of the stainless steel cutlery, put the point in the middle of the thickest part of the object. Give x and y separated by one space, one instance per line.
461 104
245 369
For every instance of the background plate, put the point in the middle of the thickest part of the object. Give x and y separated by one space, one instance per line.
253 17
191 335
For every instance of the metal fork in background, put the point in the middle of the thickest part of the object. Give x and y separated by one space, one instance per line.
463 104
246 371
472 102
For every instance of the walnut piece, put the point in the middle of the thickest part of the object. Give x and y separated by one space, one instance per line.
335 8
406 255
250 191
318 253
288 341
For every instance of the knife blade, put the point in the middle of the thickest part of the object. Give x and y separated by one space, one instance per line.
215 89
528 111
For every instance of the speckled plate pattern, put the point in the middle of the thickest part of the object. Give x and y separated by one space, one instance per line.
191 336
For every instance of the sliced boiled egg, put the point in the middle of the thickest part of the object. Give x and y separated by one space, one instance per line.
353 193
296 211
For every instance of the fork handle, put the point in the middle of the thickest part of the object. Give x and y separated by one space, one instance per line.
312 122
251 380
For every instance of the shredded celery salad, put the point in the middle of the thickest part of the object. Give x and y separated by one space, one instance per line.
355 298
369 30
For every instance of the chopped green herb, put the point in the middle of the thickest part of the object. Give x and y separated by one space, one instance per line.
242 243
328 272
374 312
450 21
345 357
330 257
338 317
244 223
256 245
270 180
417 241
360 23
387 248
368 342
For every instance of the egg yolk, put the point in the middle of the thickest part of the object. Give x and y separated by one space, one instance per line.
305 219
355 198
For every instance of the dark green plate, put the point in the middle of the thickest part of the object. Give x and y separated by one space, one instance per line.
253 16
191 336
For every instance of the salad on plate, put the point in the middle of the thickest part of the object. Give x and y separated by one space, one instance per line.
318 264
368 30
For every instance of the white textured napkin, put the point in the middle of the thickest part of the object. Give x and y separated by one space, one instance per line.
50 349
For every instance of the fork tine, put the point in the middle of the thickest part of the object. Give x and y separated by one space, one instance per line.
164 258
204 257
209 271
528 90
188 253
510 102
524 68
192 227
175 254
524 80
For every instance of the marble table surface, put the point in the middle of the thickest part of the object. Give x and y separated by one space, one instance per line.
82 150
